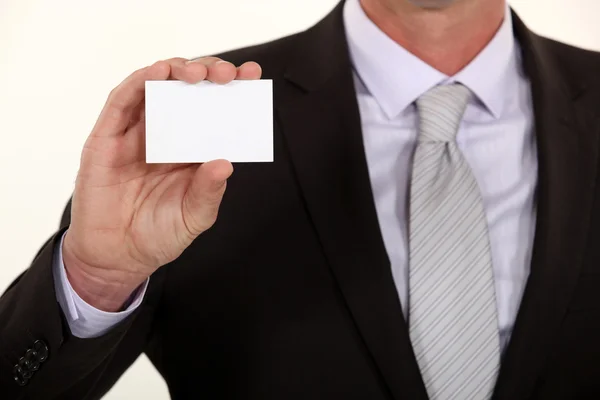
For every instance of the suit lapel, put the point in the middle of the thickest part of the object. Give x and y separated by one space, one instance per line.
567 155
319 117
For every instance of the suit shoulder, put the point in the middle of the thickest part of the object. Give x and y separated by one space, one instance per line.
577 61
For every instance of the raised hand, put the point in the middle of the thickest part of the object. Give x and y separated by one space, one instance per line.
130 218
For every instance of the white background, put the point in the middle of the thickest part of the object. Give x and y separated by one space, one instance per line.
60 58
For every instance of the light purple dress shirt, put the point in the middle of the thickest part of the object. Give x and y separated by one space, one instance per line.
496 138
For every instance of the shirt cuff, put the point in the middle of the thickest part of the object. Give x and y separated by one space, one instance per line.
86 321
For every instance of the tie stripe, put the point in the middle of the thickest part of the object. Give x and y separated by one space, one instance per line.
452 305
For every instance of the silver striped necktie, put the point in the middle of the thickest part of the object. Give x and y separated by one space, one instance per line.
452 302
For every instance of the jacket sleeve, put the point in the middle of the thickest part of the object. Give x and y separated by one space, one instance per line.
41 359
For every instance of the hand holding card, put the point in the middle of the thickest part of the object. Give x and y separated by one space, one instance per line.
129 217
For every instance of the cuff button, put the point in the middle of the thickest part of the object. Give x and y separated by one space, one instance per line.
25 367
41 349
18 375
32 357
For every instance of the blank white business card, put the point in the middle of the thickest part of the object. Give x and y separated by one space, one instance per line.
193 123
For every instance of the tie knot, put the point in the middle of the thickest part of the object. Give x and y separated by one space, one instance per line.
440 111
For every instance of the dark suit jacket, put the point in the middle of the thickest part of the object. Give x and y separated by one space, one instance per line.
290 294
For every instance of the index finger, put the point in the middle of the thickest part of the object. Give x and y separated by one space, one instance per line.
124 98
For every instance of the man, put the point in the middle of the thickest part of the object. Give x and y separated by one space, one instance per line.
428 228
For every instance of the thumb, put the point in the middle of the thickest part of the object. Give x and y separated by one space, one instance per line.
203 197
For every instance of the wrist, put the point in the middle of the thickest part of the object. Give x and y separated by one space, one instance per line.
104 296
109 294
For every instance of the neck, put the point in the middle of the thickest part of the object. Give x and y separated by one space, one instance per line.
446 38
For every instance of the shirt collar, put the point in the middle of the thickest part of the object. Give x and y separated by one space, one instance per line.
397 78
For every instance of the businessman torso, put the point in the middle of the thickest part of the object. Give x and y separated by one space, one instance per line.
291 296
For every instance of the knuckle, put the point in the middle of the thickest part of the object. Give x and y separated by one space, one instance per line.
115 104
207 60
211 219
112 94
161 64
201 220
115 111
213 200
173 60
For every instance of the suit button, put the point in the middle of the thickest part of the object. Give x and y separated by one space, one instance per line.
25 367
41 349
32 357
18 376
